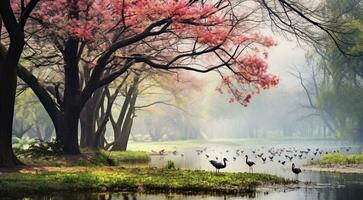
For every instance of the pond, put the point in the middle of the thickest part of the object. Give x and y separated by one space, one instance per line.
329 185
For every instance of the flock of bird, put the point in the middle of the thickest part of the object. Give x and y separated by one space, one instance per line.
282 155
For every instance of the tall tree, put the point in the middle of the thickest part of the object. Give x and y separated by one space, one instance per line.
149 32
9 60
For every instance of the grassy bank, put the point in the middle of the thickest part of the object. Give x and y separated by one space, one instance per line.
89 158
339 159
97 179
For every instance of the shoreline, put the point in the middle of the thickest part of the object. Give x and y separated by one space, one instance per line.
27 182
353 168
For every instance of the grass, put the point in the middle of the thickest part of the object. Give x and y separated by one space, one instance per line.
339 159
97 179
89 158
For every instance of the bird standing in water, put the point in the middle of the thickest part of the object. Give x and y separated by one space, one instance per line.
250 163
219 165
295 170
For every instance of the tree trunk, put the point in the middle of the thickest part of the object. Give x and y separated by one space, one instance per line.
69 131
7 102
72 99
87 121
122 140
38 132
8 83
48 132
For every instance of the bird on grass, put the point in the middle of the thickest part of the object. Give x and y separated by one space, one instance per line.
295 170
250 163
219 165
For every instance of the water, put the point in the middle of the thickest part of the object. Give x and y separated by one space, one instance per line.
331 186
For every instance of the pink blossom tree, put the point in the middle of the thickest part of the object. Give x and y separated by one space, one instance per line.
107 38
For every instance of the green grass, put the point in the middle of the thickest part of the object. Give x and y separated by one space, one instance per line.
97 179
339 159
128 156
90 158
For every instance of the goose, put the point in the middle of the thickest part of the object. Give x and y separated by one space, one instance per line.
219 165
296 171
250 163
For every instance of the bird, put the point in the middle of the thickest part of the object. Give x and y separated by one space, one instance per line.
271 158
161 152
263 159
283 162
295 170
219 165
250 163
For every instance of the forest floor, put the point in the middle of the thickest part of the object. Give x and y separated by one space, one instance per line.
45 176
343 163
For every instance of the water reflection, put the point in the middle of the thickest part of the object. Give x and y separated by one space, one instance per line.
301 194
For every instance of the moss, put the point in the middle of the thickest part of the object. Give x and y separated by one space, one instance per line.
97 179
90 158
339 159
128 156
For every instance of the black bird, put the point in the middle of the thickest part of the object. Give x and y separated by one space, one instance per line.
250 163
234 158
283 162
271 158
263 159
219 165
161 152
207 156
296 171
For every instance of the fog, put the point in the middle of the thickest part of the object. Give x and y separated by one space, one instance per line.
276 112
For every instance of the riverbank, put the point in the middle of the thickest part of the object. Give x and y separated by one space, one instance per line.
38 180
343 163
88 158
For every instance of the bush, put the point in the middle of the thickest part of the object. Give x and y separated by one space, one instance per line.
332 159
39 148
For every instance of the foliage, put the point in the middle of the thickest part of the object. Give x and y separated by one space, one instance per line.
137 179
339 159
38 148
22 144
89 158
338 80
227 38
120 157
